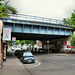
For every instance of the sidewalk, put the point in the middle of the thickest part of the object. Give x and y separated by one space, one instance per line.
13 66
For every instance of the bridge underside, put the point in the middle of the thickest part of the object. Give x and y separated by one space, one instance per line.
27 36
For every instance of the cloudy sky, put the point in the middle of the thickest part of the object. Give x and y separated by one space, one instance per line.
55 9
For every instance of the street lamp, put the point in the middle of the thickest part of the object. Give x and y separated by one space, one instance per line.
48 45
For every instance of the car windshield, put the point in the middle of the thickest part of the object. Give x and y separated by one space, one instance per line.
27 54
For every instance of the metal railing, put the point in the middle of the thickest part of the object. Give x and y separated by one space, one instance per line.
20 18
35 18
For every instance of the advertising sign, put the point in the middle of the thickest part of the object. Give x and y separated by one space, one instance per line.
13 38
67 45
6 34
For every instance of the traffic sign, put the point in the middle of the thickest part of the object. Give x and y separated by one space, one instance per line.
6 34
13 38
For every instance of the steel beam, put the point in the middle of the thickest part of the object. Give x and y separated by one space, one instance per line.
13 27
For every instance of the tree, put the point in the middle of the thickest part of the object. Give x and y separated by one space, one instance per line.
73 39
22 42
10 43
32 42
27 42
67 21
71 20
5 9
18 42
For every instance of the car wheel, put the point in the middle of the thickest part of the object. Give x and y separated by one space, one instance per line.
22 61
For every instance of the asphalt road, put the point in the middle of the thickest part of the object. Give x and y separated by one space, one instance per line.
53 64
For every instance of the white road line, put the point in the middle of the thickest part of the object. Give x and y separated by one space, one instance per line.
38 63
34 65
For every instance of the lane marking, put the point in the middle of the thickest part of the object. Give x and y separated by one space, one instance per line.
36 65
33 65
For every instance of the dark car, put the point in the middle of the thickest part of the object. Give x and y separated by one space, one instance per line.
27 57
20 53
17 52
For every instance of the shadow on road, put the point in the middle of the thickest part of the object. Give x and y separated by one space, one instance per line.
10 54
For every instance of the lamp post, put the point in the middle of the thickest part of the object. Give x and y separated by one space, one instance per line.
48 46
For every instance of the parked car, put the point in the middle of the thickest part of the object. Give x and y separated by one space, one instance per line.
17 48
27 57
12 48
17 52
24 47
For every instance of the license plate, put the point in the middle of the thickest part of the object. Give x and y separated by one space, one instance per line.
29 60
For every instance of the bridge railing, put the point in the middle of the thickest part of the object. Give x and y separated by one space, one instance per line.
20 18
35 18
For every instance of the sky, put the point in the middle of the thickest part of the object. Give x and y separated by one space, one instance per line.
55 9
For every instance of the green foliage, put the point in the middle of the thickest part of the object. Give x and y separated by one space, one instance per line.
27 42
73 39
10 43
22 42
70 21
67 21
17 42
5 8
1 0
73 18
33 42
73 26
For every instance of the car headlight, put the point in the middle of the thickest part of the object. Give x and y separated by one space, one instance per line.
33 58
